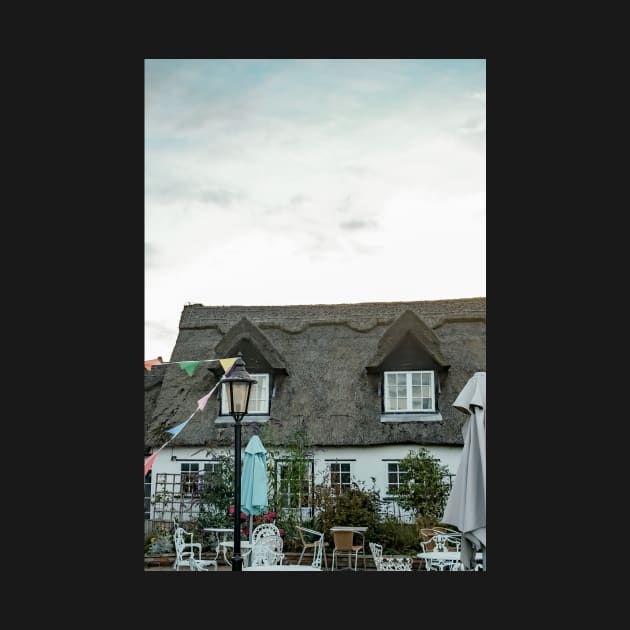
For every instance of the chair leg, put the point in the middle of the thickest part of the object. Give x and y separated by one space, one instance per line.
301 555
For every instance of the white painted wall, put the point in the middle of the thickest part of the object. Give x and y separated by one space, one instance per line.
369 461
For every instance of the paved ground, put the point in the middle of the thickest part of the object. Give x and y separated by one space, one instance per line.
166 564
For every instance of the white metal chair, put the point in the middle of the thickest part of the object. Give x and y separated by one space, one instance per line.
200 565
185 547
266 550
438 543
318 546
264 529
389 563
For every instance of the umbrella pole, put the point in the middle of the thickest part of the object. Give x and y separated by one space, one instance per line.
251 522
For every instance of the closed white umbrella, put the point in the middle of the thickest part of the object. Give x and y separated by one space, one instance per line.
466 505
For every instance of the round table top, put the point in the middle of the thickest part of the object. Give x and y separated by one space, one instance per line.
230 543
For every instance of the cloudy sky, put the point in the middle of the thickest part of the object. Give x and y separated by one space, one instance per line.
311 182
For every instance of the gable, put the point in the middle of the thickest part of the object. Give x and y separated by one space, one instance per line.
246 338
408 339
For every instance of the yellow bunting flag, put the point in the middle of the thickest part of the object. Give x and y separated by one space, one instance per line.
227 364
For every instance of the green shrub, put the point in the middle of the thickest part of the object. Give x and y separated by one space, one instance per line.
349 506
395 537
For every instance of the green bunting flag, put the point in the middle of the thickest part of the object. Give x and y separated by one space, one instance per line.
189 366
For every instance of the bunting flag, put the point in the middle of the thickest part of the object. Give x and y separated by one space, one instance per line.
189 366
202 401
151 362
148 462
176 429
227 365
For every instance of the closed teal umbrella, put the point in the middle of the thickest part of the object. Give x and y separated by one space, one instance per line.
254 480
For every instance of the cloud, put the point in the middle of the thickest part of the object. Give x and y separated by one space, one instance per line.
357 224
332 180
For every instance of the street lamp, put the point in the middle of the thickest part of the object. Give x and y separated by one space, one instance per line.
237 389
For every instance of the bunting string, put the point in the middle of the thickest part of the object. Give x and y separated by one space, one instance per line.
190 366
177 429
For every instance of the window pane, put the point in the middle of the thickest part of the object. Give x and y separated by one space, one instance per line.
258 396
340 474
410 391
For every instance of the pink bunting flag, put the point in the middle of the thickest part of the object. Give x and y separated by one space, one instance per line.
148 462
202 401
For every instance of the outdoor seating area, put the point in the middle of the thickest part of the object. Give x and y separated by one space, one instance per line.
255 542
439 550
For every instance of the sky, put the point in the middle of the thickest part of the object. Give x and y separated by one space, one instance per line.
311 181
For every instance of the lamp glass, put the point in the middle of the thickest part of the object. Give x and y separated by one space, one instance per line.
238 396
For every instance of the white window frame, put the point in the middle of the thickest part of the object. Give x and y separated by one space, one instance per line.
341 473
403 383
302 496
189 478
258 397
399 475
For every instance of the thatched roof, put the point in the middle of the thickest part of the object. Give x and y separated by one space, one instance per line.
326 360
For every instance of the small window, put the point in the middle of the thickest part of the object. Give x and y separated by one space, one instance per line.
258 396
293 484
340 475
395 477
407 392
190 479
209 469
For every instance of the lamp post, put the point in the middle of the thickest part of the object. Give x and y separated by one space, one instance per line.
237 389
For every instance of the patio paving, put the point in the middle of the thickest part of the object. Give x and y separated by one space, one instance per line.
167 564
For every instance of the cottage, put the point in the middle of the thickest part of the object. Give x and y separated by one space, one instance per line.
362 383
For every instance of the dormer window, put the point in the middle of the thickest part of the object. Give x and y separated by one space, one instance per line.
258 397
411 371
409 391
